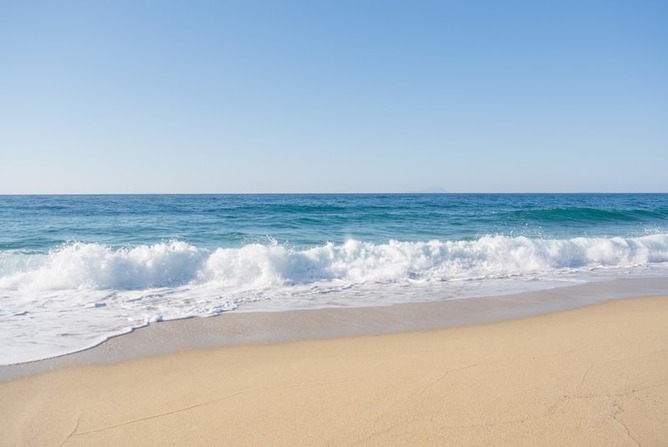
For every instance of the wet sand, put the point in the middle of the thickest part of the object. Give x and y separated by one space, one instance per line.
256 327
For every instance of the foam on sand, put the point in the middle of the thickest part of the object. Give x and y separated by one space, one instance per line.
80 294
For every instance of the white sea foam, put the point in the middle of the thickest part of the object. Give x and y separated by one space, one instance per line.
94 266
174 264
76 295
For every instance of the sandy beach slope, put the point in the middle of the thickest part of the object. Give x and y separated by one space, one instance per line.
591 376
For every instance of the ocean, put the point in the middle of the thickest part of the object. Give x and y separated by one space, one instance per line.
76 270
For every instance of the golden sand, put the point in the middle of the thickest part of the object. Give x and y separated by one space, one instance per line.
596 376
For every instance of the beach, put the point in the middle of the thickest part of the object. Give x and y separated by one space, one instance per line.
333 224
76 271
596 375
372 319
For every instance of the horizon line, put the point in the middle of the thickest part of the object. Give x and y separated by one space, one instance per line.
320 193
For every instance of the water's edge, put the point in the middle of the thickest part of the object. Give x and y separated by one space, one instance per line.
244 328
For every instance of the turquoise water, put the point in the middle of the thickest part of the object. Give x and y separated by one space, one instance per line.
44 222
76 269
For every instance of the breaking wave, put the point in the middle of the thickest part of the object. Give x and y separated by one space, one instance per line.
91 266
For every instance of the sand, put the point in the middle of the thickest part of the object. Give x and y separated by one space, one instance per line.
591 376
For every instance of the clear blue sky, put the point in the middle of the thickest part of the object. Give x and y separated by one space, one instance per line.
333 96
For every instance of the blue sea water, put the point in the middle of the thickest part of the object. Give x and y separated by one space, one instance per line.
75 270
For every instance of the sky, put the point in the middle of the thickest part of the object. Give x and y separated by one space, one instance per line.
333 96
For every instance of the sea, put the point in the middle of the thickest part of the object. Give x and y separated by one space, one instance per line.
78 269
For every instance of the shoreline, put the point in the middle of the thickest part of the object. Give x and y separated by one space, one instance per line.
596 375
239 328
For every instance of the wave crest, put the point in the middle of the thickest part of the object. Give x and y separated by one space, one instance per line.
257 266
95 266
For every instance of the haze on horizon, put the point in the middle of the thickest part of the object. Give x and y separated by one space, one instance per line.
349 96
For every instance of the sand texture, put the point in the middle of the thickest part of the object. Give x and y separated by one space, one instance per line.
596 376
